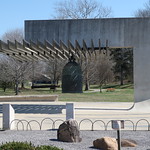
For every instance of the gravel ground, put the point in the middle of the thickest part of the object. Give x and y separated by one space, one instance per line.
50 138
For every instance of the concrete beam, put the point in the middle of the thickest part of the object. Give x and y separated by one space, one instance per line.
118 32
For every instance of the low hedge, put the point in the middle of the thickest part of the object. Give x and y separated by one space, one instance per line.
26 146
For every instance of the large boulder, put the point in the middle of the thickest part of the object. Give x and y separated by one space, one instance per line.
69 131
106 143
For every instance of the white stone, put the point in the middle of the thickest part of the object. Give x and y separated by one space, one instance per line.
8 117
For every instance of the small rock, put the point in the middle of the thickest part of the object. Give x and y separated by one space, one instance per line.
106 143
69 131
128 143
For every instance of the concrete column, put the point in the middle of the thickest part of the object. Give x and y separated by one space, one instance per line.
8 117
69 111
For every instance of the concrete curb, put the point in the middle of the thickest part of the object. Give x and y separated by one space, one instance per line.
27 98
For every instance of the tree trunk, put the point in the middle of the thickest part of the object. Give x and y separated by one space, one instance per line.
100 89
16 88
121 76
22 85
4 88
87 86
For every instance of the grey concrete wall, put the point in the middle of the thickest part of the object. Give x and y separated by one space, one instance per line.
76 30
124 32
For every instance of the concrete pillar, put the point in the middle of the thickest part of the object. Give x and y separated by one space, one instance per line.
69 111
8 117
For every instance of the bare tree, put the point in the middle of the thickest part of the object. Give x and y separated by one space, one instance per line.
20 71
14 71
96 69
78 9
38 68
54 69
103 73
12 35
5 78
88 66
145 12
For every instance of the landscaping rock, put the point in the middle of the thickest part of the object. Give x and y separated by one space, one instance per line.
69 131
128 143
106 143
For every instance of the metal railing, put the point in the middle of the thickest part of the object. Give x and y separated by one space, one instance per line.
101 124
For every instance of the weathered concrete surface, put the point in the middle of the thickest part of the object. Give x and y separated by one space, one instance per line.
120 32
8 117
70 111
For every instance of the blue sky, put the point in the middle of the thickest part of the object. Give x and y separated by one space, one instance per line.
14 12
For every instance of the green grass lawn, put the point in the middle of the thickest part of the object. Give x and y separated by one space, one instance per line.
121 94
125 95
